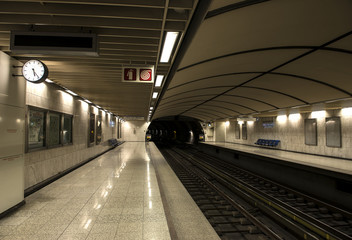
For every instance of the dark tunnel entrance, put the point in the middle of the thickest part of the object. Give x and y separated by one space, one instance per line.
178 129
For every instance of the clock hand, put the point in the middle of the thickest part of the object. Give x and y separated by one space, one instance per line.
34 73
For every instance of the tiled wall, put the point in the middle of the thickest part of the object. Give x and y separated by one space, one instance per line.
134 131
291 134
42 164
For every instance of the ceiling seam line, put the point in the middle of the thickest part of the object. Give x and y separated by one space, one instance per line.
274 73
278 92
262 50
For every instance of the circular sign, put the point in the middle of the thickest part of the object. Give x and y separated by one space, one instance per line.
146 75
35 71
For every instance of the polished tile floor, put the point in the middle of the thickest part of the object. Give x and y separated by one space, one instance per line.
115 196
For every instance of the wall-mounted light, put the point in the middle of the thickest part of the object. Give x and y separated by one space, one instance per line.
48 80
169 44
318 114
281 118
250 122
70 92
294 116
227 123
346 111
151 108
155 95
87 101
159 80
240 122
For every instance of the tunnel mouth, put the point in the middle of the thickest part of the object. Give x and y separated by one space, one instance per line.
175 129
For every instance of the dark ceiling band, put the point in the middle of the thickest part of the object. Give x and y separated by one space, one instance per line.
232 7
313 48
195 90
274 73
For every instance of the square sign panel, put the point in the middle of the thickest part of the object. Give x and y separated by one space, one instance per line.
145 74
130 74
138 74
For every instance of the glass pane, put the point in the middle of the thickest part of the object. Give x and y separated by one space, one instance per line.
67 130
98 130
54 129
333 132
237 131
36 129
244 131
91 128
310 131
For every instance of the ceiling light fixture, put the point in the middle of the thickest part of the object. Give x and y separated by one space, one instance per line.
155 95
159 80
70 92
87 101
169 44
48 80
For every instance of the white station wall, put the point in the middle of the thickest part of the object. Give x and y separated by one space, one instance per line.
290 133
134 131
12 119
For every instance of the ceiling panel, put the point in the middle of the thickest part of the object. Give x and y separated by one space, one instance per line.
260 61
270 24
299 87
128 32
229 80
266 95
330 67
272 55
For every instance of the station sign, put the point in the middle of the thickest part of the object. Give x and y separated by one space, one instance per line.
138 74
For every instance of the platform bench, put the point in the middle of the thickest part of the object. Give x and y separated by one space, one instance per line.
113 142
267 142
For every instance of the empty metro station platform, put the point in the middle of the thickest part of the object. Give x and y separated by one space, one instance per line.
175 119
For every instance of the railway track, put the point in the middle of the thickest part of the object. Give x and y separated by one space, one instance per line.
302 215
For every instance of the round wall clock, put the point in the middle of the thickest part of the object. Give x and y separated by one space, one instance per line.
35 71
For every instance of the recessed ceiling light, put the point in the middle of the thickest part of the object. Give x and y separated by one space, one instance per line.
159 80
169 44
155 95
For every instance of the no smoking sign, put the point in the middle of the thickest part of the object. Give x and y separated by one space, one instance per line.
145 75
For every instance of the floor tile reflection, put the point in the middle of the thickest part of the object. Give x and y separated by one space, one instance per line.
115 196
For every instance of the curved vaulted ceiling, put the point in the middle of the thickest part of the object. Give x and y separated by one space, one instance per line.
248 59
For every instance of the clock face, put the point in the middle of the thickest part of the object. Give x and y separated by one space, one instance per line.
35 71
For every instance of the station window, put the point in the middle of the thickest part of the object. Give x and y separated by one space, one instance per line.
36 129
54 129
47 129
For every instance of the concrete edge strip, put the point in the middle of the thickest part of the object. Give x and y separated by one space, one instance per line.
170 223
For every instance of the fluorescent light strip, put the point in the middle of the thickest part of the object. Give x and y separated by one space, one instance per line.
87 101
155 95
169 43
48 80
70 92
159 80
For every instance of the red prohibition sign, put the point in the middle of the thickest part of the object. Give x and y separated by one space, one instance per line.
145 75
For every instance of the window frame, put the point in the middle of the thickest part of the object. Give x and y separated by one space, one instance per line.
46 123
